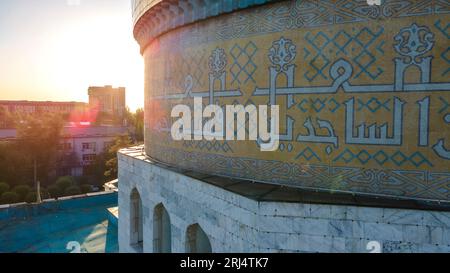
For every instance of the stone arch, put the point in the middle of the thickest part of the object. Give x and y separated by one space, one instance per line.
136 221
162 237
196 240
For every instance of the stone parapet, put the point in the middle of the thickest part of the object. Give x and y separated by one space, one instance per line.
235 223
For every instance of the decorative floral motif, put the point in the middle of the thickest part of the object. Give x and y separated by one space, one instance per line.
282 53
217 62
413 42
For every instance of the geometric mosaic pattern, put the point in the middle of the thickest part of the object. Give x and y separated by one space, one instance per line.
445 31
317 105
194 64
445 105
286 147
362 46
311 13
417 183
308 154
243 67
416 159
308 14
177 66
387 147
373 105
216 146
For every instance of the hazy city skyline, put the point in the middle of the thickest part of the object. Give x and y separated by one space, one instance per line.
75 44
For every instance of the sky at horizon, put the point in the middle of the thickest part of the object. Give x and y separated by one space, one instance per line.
53 50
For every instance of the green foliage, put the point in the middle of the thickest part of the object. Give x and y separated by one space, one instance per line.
139 125
85 188
111 168
44 193
31 197
64 186
67 160
9 198
22 191
7 119
38 137
136 122
15 164
72 190
97 169
80 180
111 163
3 187
63 183
54 191
104 118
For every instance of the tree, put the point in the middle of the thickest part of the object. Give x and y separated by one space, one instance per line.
22 191
31 197
15 164
54 191
4 187
103 118
96 170
69 160
111 163
139 125
6 118
38 137
65 182
9 198
136 122
72 190
85 188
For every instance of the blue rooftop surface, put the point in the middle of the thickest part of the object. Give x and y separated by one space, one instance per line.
54 226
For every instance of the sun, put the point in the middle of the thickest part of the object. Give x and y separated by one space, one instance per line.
89 53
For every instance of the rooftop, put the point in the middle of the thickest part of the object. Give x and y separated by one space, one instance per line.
27 102
55 226
76 131
266 192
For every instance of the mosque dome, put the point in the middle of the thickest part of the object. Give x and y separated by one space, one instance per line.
363 91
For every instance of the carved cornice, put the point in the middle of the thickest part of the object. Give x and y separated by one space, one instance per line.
155 17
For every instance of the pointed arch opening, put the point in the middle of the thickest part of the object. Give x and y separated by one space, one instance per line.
136 221
162 237
196 240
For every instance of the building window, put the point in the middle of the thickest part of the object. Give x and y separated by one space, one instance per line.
89 145
65 146
89 157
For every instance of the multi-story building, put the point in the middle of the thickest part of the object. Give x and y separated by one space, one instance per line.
68 110
30 107
7 135
102 100
107 99
79 146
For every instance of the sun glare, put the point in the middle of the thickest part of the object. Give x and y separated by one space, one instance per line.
83 45
91 51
